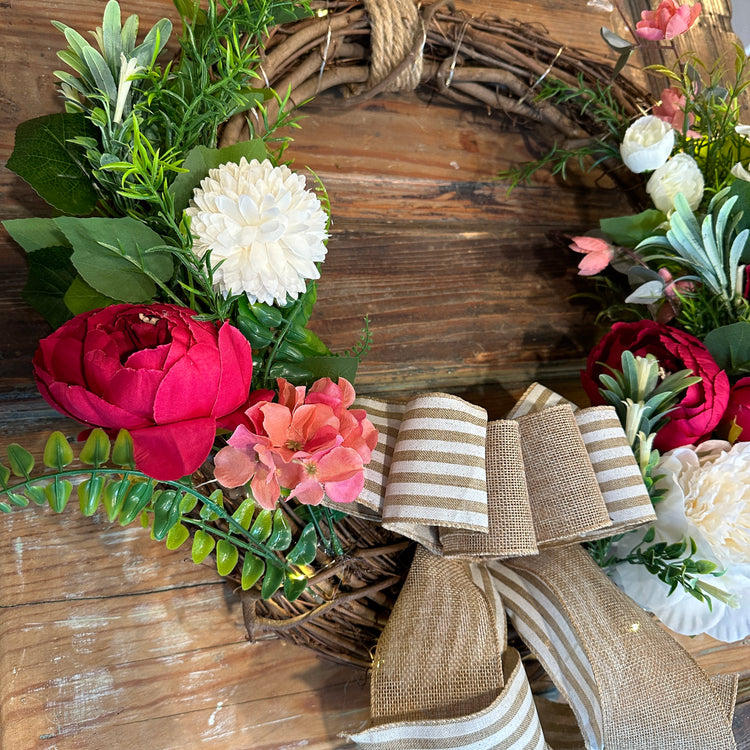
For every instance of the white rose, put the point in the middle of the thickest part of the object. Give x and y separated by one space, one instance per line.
740 172
681 174
647 144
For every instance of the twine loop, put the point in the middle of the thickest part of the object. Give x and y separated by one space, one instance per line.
396 34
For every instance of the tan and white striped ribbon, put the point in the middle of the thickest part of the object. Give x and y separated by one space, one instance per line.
554 475
445 477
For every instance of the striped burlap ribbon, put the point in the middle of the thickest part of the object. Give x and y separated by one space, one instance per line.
498 510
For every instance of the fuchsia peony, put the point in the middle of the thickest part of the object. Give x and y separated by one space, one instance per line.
702 406
310 443
153 370
669 20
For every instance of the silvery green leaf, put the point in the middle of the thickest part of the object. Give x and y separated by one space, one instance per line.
111 39
615 41
128 35
102 76
646 294
153 44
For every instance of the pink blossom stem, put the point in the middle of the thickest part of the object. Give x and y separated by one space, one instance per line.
625 19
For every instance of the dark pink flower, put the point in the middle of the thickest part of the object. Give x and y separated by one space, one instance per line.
153 370
669 20
704 403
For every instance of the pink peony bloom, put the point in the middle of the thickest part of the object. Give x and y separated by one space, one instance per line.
672 110
310 443
597 254
669 20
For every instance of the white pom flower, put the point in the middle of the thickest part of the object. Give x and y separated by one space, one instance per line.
647 144
681 174
707 498
268 230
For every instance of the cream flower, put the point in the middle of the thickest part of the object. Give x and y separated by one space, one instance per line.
707 498
647 144
681 174
265 228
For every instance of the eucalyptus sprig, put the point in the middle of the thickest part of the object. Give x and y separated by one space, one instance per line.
105 475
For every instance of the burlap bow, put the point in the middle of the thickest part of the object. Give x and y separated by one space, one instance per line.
524 490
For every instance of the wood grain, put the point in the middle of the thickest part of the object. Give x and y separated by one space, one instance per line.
107 639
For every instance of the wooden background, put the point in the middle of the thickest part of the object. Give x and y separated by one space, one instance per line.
109 640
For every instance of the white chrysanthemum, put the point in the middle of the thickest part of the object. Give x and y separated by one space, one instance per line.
707 498
264 226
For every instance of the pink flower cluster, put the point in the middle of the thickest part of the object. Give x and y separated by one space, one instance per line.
310 443
669 20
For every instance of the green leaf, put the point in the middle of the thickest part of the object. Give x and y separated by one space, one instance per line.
21 461
81 297
705 566
20 500
113 256
114 497
51 165
730 347
303 553
226 557
4 475
244 513
177 536
36 493
649 535
122 451
57 451
137 499
332 367
272 581
201 159
90 494
281 536
294 585
166 513
95 451
35 233
187 8
51 273
203 544
630 230
58 494
5 508
252 570
263 526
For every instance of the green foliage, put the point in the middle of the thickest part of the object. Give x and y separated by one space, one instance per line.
643 398
120 258
668 562
631 230
712 251
605 119
730 347
45 157
51 274
251 544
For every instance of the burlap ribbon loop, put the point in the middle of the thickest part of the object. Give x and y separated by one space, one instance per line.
523 490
